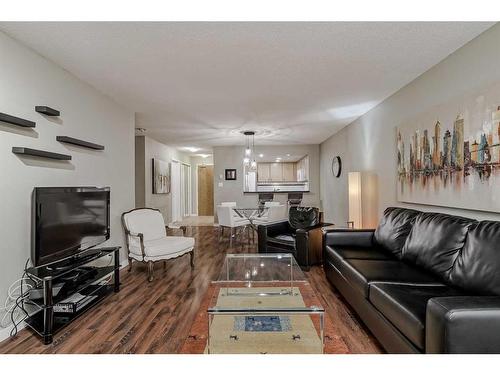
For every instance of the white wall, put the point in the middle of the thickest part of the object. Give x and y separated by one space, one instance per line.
368 144
28 80
154 149
227 157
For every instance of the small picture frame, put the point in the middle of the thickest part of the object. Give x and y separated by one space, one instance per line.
231 174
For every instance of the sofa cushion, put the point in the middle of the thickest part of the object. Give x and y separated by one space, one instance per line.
477 267
435 241
394 228
353 252
163 248
404 305
361 272
281 243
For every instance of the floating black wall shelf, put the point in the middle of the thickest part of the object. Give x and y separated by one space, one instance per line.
79 142
16 121
47 110
40 153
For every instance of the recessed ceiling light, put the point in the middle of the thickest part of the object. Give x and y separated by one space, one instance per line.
204 156
287 154
191 149
261 155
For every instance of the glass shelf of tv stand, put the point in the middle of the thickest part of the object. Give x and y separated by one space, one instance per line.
44 320
83 258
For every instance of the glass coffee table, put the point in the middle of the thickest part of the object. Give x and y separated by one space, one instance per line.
262 303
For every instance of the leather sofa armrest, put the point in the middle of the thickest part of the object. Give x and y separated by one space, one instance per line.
312 227
272 229
463 325
348 237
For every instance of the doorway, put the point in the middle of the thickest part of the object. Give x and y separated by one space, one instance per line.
205 190
181 191
175 190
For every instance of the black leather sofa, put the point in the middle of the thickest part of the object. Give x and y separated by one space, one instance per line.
421 282
300 235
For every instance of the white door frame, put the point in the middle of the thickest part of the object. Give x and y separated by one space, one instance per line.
175 190
178 192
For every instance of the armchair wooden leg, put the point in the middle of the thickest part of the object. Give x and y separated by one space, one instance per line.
192 258
129 264
150 271
164 264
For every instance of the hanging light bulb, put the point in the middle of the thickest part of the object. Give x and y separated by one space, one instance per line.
249 149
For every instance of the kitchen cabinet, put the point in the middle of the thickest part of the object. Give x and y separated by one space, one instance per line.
263 172
289 172
303 169
276 172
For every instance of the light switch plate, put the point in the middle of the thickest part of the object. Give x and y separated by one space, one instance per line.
221 184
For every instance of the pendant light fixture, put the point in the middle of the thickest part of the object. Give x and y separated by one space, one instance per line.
249 158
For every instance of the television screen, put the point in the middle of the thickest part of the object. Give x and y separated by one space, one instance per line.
68 220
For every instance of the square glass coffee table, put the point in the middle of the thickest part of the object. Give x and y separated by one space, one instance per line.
262 303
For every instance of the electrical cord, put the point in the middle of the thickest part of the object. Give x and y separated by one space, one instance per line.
17 297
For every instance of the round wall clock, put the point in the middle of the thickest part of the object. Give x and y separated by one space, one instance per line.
336 166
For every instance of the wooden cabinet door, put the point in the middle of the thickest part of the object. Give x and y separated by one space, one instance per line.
263 172
276 172
289 172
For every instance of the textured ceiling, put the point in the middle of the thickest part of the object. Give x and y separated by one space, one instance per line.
200 84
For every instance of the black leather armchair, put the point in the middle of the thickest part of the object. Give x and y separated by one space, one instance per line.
300 235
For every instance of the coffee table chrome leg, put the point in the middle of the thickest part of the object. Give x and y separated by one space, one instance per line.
321 331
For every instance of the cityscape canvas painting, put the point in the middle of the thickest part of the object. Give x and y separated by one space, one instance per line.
450 155
161 177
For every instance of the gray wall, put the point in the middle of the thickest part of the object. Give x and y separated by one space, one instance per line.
140 172
153 149
28 80
195 161
368 144
228 157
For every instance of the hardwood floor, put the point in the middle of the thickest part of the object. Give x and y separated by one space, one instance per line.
156 317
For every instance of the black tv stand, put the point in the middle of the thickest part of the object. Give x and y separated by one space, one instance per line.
69 263
46 322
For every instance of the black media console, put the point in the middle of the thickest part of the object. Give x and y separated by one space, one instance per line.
67 289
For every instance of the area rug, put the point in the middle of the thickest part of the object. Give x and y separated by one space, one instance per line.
251 334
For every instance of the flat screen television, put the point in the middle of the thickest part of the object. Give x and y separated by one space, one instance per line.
67 221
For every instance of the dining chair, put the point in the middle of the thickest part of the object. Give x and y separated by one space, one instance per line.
229 219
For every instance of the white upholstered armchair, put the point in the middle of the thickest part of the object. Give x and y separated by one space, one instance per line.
147 241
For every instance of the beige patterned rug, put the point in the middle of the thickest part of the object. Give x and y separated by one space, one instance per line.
268 334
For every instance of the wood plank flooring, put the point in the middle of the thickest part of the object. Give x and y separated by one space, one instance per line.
156 317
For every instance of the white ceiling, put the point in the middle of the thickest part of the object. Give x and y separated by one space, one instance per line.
200 84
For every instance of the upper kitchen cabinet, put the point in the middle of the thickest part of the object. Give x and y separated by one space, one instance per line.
277 172
289 172
263 172
303 169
